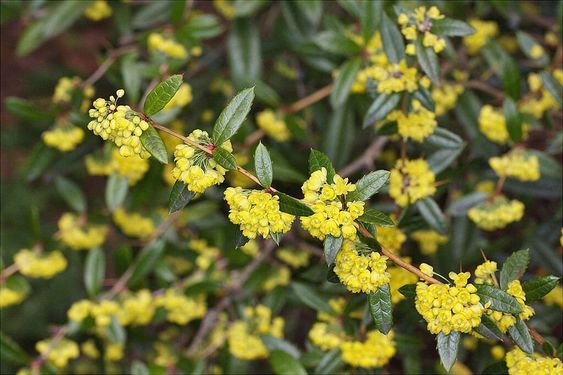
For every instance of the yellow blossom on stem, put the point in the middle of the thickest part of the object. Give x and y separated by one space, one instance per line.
484 272
375 351
396 78
484 30
166 45
445 97
63 137
327 336
98 10
417 125
390 238
9 296
428 240
273 125
411 180
137 309
181 309
496 214
293 257
518 163
250 248
279 276
133 224
520 363
78 235
58 353
39 264
207 254
420 22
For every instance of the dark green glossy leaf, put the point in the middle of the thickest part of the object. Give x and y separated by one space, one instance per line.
443 138
527 44
94 271
370 18
11 352
451 27
115 332
447 348
441 159
513 120
152 142
71 193
462 205
310 298
331 247
380 108
408 290
343 82
392 38
428 61
180 196
381 308
244 51
224 158
319 160
537 288
511 79
274 343
488 328
293 206
285 364
499 299
432 214
116 190
514 267
521 336
553 87
373 216
232 117
368 185
161 94
146 261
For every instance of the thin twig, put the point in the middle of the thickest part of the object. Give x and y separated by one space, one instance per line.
102 69
8 271
366 159
308 100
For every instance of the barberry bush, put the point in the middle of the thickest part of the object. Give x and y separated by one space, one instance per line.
289 187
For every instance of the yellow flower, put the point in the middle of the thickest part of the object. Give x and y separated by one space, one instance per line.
518 163
360 269
181 309
539 100
64 137
497 352
396 78
398 278
58 353
182 98
484 30
417 124
520 363
497 213
273 125
427 269
207 254
493 124
375 351
10 296
484 272
326 336
80 310
293 257
114 351
120 124
133 224
257 212
196 168
137 309
536 51
428 240
89 349
75 233
420 21
250 248
132 167
279 276
410 181
40 264
486 186
445 97
390 238
226 8
555 297
166 45
244 335
98 10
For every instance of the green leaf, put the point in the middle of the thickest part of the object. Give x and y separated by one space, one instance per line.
521 336
368 185
332 246
432 214
180 196
232 117
116 190
488 328
428 61
511 79
263 165
380 108
373 216
425 98
537 288
146 261
94 271
285 364
131 71
447 348
443 138
527 43
553 87
224 158
318 160
310 298
513 119
293 206
393 43
370 18
408 290
244 51
59 17
514 267
274 343
25 110
343 82
139 368
39 160
496 369
450 27
152 142
330 363
462 205
115 332
499 299
441 159
381 308
276 237
71 193
336 43
200 26
11 352
161 94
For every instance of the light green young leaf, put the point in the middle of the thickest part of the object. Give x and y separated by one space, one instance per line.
381 308
71 193
232 117
94 271
343 82
152 142
514 267
432 214
499 299
116 190
224 158
373 216
180 196
447 348
428 61
161 94
368 185
263 165
332 246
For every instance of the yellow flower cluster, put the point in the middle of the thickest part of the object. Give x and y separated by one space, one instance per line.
102 311
194 167
58 353
417 124
555 297
399 277
293 257
493 124
484 30
360 269
114 351
397 78
410 181
428 240
449 308
207 253
484 272
540 99
64 90
10 296
273 125
77 235
337 305
137 309
375 351
119 124
496 214
182 98
420 21
133 224
330 217
40 264
518 164
166 45
376 57
497 352
250 248
445 97
89 349
279 276
226 8
257 212
520 363
390 238
98 10
327 336
132 167
63 137
244 335
181 309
